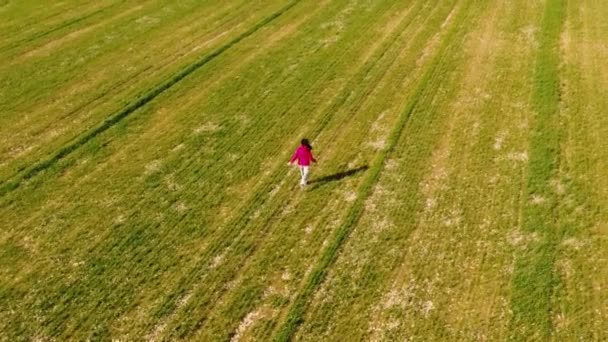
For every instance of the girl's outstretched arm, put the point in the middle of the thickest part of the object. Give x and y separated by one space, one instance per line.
294 157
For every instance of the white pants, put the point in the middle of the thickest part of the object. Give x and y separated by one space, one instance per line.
304 174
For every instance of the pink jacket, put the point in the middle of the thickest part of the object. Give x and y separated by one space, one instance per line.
303 155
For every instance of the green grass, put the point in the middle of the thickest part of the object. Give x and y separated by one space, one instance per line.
458 194
534 280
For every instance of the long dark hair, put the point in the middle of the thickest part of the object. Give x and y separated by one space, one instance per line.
306 143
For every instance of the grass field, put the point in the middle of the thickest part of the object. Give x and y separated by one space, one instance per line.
460 194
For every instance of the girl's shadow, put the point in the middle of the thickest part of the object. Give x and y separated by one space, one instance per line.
337 176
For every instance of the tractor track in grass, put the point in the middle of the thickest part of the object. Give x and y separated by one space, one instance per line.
317 276
534 278
150 95
168 58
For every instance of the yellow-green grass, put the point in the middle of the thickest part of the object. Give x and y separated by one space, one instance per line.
145 194
579 311
49 97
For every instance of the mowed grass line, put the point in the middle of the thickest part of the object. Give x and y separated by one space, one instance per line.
133 106
534 279
319 272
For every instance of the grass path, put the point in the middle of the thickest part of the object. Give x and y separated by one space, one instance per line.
534 279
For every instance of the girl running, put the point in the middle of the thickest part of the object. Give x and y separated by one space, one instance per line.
304 156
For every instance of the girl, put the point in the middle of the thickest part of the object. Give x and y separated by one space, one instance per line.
304 156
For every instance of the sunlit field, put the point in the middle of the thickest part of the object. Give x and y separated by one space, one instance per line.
461 189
